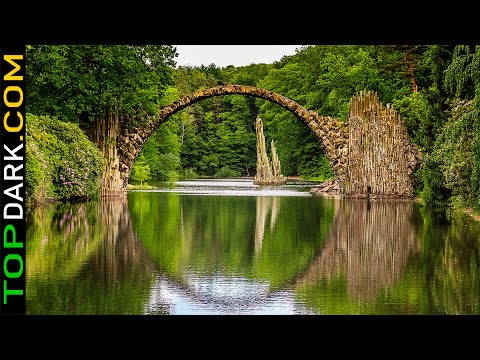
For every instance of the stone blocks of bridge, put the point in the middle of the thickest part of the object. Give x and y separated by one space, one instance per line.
333 137
370 153
381 157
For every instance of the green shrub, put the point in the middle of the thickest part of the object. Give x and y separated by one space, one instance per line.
72 165
38 186
226 172
188 174
172 177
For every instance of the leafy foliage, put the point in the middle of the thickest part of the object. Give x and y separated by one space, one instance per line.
61 162
37 180
226 172
463 79
140 170
79 82
454 153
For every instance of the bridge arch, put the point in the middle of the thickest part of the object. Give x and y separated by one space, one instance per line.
371 154
331 133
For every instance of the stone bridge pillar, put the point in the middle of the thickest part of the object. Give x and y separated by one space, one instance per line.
381 158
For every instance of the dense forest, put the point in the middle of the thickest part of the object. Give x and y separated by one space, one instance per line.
436 89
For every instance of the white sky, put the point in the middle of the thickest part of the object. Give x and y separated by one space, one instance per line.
237 55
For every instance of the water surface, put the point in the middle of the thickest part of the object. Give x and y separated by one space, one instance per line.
229 247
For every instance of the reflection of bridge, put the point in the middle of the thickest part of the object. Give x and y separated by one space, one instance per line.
369 244
370 154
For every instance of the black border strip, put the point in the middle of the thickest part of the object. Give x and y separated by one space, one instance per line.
12 168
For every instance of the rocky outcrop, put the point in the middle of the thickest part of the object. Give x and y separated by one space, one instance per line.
333 137
276 167
381 157
373 155
327 188
268 172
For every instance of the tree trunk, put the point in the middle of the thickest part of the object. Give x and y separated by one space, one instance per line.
104 132
414 81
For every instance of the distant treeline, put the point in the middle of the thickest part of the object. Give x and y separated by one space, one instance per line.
435 88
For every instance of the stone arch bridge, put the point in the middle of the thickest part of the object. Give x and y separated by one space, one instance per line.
370 153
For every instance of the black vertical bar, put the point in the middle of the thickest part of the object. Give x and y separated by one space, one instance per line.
12 168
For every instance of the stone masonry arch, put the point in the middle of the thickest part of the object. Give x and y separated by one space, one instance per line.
331 133
371 154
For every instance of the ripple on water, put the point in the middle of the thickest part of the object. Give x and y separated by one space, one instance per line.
241 187
219 294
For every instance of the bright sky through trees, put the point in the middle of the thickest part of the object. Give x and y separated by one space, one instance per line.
237 55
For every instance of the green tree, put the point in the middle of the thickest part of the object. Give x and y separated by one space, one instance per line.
97 85
424 111
169 164
462 79
81 82
140 170
454 151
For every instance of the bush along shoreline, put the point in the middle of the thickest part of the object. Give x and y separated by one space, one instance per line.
61 163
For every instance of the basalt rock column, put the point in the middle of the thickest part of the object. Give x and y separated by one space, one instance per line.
381 157
276 167
268 173
104 132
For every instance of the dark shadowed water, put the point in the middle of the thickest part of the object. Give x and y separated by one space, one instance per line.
229 247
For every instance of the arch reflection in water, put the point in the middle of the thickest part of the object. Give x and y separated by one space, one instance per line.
221 295
229 254
166 253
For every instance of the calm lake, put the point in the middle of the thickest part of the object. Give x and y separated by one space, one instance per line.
229 247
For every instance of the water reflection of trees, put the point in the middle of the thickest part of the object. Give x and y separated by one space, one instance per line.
60 239
121 251
260 238
395 258
447 273
85 259
369 244
344 256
